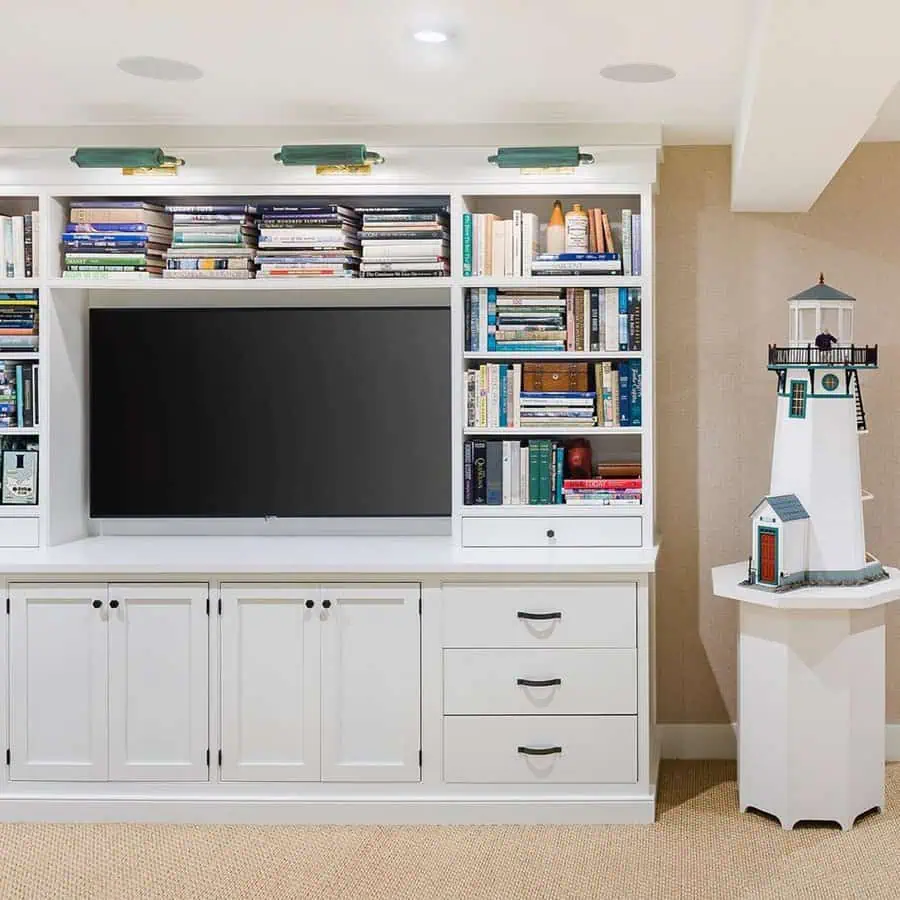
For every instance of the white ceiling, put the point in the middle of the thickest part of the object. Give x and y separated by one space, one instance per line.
792 84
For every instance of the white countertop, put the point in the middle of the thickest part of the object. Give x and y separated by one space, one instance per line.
277 555
727 583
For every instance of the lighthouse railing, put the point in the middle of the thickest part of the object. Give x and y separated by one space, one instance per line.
810 355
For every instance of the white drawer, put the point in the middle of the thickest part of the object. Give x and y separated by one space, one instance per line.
582 682
20 532
601 614
551 531
573 749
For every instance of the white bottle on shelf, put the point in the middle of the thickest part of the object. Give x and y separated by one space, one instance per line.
577 232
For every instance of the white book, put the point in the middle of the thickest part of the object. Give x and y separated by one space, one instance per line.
507 472
5 247
35 244
612 319
517 395
530 241
514 472
586 331
517 243
523 474
626 241
498 233
509 236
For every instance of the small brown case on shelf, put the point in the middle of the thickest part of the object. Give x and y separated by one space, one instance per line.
546 377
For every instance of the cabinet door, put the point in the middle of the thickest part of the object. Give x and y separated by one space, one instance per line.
57 682
270 683
158 674
370 683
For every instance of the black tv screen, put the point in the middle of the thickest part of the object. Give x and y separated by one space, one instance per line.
290 412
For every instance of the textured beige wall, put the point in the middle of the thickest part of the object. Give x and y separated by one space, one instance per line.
722 282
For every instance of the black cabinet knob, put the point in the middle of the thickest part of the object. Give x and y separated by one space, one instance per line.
551 533
113 604
326 604
310 604
97 604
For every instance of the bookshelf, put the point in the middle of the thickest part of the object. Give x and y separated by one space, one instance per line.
65 302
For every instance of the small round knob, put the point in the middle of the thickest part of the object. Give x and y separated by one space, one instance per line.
310 604
551 533
326 604
113 604
97 604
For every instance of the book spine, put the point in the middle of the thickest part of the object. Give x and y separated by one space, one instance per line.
624 395
626 242
517 243
635 381
468 482
19 403
595 319
494 473
623 318
560 472
501 418
479 470
534 473
506 475
636 244
636 304
29 245
492 319
467 244
524 478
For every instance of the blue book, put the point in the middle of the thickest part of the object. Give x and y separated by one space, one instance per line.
635 366
558 395
492 319
104 227
623 318
624 371
503 389
105 240
560 471
578 257
113 204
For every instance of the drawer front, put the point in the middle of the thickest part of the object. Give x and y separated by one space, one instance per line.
540 682
16 532
540 749
540 615
551 531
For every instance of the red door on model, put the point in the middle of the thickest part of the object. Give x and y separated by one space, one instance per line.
767 556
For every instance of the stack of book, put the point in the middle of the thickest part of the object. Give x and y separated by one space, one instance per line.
18 321
602 491
18 395
513 473
115 239
212 241
515 321
19 246
552 409
405 241
308 241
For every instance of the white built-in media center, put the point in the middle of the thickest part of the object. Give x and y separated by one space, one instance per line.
493 664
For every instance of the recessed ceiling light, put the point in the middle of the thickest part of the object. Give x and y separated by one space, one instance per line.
638 73
159 68
430 37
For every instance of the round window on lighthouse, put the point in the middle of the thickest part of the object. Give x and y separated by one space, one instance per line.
830 382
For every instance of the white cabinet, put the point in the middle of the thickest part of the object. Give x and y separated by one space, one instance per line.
270 683
370 683
158 672
108 682
320 683
57 682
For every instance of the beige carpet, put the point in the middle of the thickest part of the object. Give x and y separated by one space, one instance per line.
700 847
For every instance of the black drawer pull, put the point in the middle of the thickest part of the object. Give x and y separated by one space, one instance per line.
539 751
551 533
544 682
97 604
113 604
310 604
539 616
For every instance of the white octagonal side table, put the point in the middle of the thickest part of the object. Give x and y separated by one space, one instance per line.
811 697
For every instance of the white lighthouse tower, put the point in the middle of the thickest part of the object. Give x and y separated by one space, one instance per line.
809 529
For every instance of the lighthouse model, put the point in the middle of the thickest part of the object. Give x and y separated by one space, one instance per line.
811 698
809 529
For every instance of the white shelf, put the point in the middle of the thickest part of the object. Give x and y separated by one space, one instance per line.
19 284
19 510
551 431
551 281
552 509
251 284
19 356
554 354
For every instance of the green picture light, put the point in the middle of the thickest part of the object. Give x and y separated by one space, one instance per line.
539 157
327 155
124 158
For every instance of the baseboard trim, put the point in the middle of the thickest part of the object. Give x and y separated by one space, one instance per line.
720 741
637 810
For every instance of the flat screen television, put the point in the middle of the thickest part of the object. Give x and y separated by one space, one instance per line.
288 412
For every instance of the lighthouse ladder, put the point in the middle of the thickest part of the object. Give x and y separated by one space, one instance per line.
860 410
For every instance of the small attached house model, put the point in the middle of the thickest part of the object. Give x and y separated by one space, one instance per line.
809 529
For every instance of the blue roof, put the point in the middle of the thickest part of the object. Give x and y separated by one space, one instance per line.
786 506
